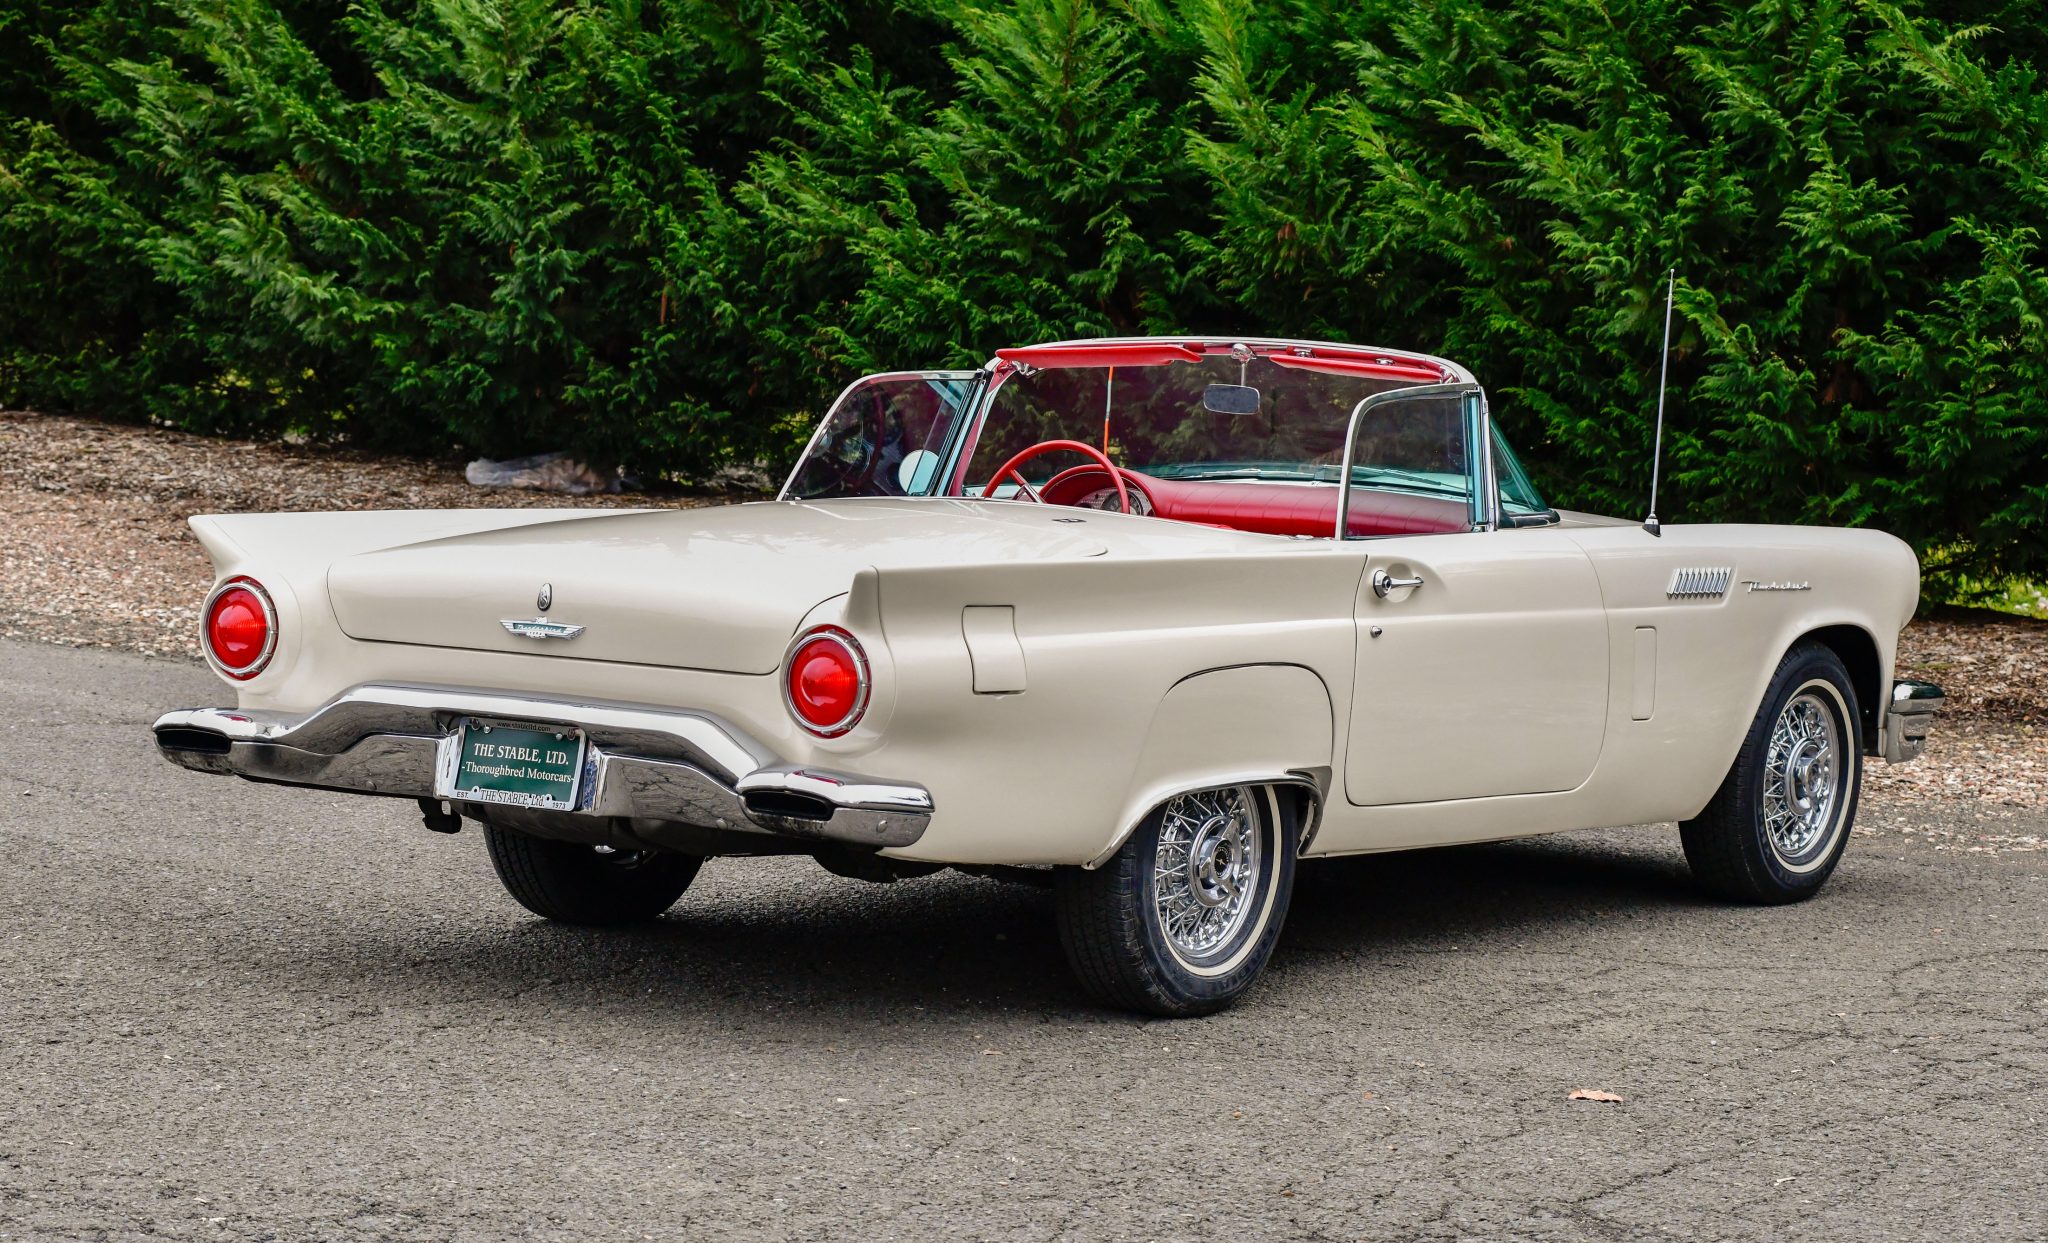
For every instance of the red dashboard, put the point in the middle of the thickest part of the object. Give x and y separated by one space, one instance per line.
1266 508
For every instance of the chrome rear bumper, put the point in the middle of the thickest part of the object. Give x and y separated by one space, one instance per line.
1907 718
679 767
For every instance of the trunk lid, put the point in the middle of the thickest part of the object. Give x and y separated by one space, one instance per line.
720 589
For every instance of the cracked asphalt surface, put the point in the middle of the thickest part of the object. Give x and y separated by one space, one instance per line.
234 1011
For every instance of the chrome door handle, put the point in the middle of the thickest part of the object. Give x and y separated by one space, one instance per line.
1383 582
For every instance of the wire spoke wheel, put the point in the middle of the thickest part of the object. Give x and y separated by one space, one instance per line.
1801 788
1183 917
1778 825
1205 876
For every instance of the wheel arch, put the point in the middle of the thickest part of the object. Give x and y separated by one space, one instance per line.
1858 651
1260 725
1852 641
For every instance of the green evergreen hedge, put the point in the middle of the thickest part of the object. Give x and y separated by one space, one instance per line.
664 232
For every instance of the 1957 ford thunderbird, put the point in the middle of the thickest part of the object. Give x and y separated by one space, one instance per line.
1145 620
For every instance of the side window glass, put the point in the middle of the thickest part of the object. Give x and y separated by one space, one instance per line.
1518 495
1410 455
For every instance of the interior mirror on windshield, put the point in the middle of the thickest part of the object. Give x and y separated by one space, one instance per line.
1230 399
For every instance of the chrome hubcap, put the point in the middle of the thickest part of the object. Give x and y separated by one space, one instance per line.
1800 787
1205 876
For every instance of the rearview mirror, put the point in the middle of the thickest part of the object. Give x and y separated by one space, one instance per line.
1230 399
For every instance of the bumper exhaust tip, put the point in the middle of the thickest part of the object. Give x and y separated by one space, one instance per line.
787 805
192 740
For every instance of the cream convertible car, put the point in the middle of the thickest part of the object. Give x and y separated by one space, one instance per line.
1146 620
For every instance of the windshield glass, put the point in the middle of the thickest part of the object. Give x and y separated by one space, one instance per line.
1154 420
1270 419
1517 494
887 436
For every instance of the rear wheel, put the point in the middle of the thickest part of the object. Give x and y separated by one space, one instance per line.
1780 821
577 883
1183 917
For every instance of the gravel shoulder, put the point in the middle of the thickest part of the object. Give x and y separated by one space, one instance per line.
96 552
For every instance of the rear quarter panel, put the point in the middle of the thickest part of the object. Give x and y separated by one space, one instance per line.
1058 772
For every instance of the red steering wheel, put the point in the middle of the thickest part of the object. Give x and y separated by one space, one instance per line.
1009 468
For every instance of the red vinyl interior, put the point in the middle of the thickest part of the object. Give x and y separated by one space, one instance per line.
1269 508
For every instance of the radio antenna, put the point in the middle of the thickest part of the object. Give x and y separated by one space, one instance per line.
1650 523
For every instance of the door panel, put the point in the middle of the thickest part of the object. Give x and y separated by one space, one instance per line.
1488 679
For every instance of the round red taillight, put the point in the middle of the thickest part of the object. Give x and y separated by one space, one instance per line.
826 681
240 628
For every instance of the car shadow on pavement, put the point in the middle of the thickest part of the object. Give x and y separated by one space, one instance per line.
783 940
1502 891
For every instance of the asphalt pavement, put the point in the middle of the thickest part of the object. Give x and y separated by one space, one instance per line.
230 1011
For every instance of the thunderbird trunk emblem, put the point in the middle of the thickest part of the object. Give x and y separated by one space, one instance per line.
541 628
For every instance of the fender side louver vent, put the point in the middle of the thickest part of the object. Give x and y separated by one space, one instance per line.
1699 582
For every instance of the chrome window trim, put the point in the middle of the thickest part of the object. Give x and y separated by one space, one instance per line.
1000 370
1453 373
989 378
1487 498
1481 478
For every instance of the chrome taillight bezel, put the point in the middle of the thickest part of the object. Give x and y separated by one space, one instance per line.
840 636
241 582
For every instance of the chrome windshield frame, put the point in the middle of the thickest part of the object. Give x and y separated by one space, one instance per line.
987 379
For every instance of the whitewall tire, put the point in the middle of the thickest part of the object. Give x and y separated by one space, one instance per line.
1779 823
1182 919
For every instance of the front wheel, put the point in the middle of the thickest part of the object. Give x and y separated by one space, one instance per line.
1181 920
576 883
1780 821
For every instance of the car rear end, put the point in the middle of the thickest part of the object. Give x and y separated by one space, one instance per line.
631 702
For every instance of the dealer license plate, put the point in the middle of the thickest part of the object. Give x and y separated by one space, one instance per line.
523 765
